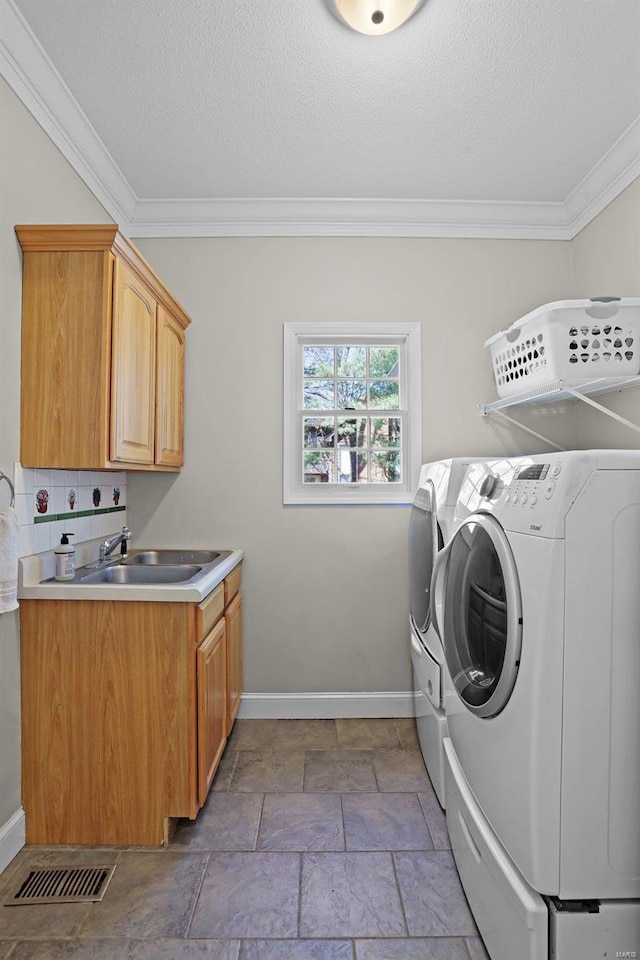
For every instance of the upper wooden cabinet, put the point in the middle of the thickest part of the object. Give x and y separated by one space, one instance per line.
133 368
169 413
102 354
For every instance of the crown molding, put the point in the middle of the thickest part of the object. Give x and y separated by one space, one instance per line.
617 169
34 79
32 76
319 217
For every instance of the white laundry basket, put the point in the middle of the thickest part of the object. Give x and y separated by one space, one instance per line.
570 340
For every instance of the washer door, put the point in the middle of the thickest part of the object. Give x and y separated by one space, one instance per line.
480 614
425 540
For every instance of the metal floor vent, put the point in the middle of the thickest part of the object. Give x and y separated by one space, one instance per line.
62 885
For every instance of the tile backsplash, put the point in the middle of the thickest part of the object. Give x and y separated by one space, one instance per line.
85 503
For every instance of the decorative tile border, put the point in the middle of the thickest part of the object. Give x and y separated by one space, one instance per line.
49 517
56 497
87 504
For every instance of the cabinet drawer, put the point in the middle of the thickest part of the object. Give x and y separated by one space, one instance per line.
209 611
232 584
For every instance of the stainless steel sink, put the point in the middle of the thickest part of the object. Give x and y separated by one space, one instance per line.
149 567
165 573
162 557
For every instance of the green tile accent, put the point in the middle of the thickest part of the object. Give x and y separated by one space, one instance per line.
74 514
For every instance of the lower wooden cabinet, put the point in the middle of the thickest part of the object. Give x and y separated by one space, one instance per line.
126 707
233 617
211 671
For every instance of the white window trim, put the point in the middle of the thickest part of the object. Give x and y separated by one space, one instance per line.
294 490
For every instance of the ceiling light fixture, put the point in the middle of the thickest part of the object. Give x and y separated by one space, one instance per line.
375 17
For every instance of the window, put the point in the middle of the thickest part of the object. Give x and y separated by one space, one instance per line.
352 425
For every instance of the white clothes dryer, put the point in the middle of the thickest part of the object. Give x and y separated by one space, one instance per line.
537 601
431 526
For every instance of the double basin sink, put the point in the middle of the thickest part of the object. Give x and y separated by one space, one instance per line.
153 566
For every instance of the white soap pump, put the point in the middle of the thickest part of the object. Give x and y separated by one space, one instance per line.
65 559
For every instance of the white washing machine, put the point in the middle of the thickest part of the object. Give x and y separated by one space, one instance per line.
430 527
537 601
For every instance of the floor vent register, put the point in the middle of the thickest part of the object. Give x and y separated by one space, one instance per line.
61 885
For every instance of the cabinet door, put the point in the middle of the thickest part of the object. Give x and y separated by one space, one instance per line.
233 617
66 359
108 720
211 670
169 391
133 369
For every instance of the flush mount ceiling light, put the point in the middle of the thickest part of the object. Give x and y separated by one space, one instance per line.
375 17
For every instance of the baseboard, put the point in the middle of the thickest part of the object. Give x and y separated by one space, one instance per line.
12 838
325 706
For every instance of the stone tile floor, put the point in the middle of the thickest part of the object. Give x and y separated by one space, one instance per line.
320 840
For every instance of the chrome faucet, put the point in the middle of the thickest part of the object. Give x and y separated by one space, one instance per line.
108 546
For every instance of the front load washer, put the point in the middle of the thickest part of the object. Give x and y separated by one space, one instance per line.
431 526
537 602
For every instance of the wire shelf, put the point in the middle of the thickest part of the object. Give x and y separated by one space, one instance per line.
557 390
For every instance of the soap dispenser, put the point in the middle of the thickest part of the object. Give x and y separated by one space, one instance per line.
65 559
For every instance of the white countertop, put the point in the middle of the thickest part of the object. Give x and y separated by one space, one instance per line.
39 567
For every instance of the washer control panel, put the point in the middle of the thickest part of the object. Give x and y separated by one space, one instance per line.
539 496
533 483
528 495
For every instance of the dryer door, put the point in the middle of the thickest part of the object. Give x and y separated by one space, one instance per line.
424 542
480 614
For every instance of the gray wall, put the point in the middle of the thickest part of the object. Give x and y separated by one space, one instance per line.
326 587
36 186
606 262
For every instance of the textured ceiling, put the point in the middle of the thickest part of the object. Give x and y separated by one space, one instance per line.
497 100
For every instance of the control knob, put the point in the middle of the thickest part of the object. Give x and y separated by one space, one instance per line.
489 485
